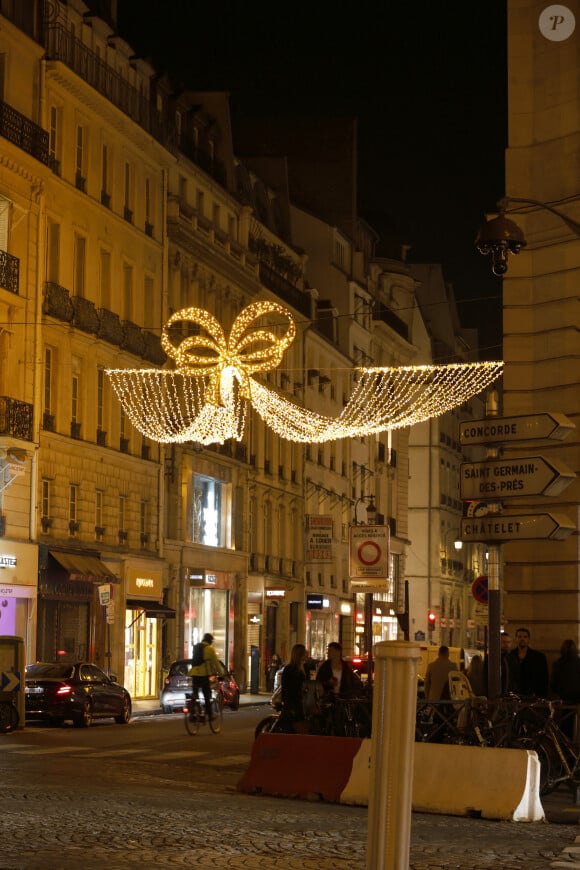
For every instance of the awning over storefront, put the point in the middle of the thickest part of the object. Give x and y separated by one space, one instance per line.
81 567
152 609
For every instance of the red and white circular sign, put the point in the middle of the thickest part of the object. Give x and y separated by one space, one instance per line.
369 553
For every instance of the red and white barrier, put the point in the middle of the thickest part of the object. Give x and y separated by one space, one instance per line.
451 780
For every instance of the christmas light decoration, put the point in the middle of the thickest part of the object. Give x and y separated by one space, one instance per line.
205 399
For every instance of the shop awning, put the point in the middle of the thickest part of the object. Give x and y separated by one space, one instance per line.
81 567
152 609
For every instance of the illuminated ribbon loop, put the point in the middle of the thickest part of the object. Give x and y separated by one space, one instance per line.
247 350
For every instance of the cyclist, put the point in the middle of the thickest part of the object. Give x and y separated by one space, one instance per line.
201 674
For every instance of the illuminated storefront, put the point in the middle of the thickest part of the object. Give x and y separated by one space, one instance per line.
144 613
18 592
208 611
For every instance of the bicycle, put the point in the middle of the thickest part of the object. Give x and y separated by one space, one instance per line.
9 717
195 712
559 758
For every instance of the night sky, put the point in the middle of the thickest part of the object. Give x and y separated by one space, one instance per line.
425 79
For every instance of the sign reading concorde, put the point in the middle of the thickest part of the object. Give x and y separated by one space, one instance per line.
369 556
521 475
535 427
524 527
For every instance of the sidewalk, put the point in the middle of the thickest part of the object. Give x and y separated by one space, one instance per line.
152 707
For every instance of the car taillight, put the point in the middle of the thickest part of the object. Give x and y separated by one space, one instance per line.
62 691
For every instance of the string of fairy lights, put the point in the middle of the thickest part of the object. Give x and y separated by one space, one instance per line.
205 399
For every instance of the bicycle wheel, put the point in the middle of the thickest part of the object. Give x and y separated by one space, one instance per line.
8 718
267 725
192 718
215 721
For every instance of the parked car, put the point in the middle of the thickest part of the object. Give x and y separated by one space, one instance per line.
59 691
177 683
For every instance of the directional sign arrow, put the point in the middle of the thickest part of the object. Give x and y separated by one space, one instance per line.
9 681
506 478
516 527
534 427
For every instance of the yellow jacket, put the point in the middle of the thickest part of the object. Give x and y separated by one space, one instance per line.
211 664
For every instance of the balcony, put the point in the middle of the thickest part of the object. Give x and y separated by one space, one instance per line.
381 312
57 302
284 289
133 340
75 430
85 315
110 328
153 351
15 418
62 46
9 272
23 133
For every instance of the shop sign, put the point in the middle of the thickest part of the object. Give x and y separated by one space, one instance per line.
105 593
254 619
275 593
316 602
143 582
110 613
10 591
7 561
319 539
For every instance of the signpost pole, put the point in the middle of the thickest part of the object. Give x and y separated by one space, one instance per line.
494 584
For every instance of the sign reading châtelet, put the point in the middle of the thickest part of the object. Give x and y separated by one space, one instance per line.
534 427
521 475
516 527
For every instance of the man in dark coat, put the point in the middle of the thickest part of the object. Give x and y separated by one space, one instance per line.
528 668
335 676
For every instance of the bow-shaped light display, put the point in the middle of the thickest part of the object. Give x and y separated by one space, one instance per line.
205 398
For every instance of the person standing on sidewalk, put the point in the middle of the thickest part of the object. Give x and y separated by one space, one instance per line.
436 682
528 668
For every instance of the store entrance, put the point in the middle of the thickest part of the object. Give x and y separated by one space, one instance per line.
141 655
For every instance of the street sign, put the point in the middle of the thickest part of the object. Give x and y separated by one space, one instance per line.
369 552
9 681
506 478
480 589
494 430
516 527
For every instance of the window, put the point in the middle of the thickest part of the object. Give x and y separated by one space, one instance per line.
105 278
48 375
53 139
339 253
52 251
200 203
5 205
143 521
100 395
211 508
45 498
178 128
80 178
79 265
128 192
127 289
122 511
148 208
105 186
75 399
73 508
99 494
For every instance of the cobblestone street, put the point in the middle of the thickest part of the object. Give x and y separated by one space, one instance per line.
132 823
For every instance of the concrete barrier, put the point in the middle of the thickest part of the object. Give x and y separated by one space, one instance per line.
300 765
451 780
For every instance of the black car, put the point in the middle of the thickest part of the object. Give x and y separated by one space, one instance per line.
59 691
177 683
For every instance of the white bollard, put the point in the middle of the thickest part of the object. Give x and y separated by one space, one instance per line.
392 755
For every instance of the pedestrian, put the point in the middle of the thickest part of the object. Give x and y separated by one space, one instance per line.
565 684
476 675
272 669
505 649
293 679
201 673
528 668
436 678
335 677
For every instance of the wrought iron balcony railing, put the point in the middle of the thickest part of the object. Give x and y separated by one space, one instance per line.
15 418
9 272
23 133
57 302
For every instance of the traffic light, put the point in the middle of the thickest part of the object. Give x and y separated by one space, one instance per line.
431 619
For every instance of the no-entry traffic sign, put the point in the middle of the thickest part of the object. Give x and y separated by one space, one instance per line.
369 552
